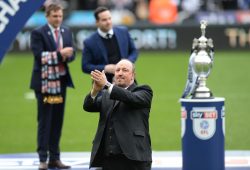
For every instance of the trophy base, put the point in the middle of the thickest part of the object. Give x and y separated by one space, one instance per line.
202 92
202 95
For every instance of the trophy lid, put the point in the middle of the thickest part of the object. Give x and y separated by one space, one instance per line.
203 27
203 40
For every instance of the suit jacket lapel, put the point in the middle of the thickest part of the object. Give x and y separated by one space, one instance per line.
50 35
109 103
116 102
130 88
119 40
100 44
62 36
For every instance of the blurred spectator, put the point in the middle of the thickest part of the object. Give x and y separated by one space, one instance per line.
123 4
229 4
124 11
244 4
129 12
121 11
162 11
123 17
141 9
87 4
210 5
188 9
117 4
106 3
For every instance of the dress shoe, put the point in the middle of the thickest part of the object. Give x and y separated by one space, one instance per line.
57 164
43 166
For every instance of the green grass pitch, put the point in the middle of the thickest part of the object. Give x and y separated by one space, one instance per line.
166 72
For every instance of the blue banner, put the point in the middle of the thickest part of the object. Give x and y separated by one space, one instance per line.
13 16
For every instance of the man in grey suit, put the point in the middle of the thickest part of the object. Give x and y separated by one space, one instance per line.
122 139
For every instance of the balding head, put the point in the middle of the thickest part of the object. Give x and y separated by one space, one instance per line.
124 73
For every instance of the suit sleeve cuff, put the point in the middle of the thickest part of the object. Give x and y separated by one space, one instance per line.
110 88
59 56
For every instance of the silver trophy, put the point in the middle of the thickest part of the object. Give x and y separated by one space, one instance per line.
202 63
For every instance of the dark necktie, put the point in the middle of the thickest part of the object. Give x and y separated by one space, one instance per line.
108 36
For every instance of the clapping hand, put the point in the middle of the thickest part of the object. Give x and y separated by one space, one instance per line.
99 79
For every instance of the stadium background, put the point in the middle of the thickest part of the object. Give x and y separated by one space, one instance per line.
163 60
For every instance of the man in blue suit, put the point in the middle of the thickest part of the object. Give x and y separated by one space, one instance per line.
107 46
52 47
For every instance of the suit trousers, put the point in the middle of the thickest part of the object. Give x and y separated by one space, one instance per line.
121 162
50 122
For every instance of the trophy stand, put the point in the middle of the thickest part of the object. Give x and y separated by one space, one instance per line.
202 115
203 134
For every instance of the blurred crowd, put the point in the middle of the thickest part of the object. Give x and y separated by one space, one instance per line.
130 12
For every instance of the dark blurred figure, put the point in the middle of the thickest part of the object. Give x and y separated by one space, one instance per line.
210 5
141 9
244 4
229 4
86 4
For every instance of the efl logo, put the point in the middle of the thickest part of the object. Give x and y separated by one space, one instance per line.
204 122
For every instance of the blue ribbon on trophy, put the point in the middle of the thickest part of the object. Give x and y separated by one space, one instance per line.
199 67
13 16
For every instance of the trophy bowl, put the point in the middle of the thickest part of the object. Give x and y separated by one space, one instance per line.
202 64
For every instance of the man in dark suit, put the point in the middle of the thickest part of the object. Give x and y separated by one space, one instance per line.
122 140
52 47
108 45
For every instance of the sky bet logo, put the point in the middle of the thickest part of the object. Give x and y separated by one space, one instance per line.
204 114
204 122
8 9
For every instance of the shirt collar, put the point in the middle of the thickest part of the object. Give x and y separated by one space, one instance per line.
103 34
52 28
129 86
